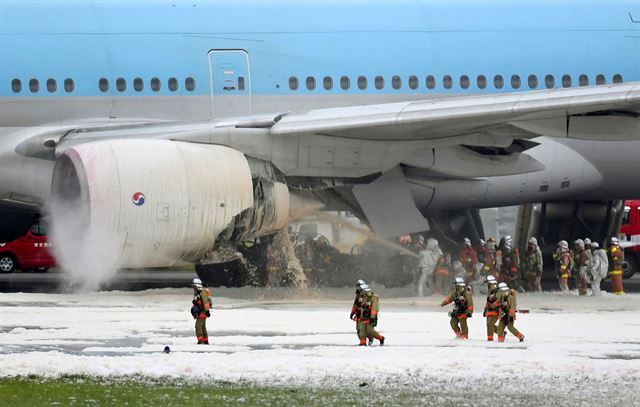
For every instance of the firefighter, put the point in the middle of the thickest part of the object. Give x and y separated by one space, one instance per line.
489 262
583 264
462 309
491 307
533 265
427 261
564 264
441 275
617 257
356 310
481 250
370 304
468 258
507 312
599 267
587 244
510 264
200 310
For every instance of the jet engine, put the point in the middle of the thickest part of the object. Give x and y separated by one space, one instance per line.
158 202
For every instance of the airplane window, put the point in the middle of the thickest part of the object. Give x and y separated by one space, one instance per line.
583 80
431 82
155 84
498 81
464 82
379 82
190 84
172 84
413 82
311 82
362 82
34 85
515 81
103 84
617 78
241 83
52 86
16 86
345 83
327 82
600 80
566 81
549 81
447 82
532 81
293 83
396 82
138 84
69 86
481 81
121 84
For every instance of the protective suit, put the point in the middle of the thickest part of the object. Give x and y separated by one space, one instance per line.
583 265
427 261
599 267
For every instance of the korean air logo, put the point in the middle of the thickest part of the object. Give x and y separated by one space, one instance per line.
138 199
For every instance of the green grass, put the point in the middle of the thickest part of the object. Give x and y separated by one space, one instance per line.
139 391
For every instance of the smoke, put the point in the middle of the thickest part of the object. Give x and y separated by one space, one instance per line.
86 248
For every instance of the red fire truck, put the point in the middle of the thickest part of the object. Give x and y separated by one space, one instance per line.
28 252
630 234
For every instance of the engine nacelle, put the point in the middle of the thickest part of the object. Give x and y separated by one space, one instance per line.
163 202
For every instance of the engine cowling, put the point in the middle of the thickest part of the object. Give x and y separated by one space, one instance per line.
161 202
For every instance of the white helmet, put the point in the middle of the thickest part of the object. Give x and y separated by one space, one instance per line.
508 240
197 283
364 287
533 240
579 242
459 282
564 244
503 287
587 241
491 280
615 241
482 243
595 245
467 241
359 283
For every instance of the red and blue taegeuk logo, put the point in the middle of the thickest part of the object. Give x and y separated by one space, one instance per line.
138 199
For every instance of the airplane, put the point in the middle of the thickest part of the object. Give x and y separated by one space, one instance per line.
189 127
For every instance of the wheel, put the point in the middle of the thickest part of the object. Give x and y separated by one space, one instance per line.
7 263
629 267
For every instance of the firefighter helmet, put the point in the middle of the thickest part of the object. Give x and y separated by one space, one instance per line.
579 242
533 240
615 241
595 245
564 244
459 282
359 283
491 280
503 287
197 283
467 241
482 243
587 241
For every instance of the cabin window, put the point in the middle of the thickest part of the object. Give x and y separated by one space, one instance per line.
617 78
532 81
431 82
362 82
447 82
566 81
549 81
310 82
465 82
16 86
379 82
345 83
172 83
327 82
498 81
413 82
155 84
52 85
515 81
121 84
241 86
583 80
396 82
481 81
600 80
69 86
103 84
190 84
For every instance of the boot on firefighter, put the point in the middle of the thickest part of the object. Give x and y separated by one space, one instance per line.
583 265
462 300
369 305
563 259
491 307
532 265
617 257
507 312
469 259
200 310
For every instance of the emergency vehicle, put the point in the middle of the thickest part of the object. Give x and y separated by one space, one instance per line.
28 252
629 234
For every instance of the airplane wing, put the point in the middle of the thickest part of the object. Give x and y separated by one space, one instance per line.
439 118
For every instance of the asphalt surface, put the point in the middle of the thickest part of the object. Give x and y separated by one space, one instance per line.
138 280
